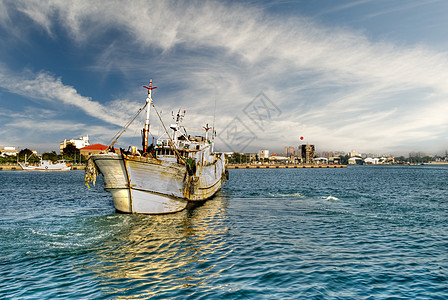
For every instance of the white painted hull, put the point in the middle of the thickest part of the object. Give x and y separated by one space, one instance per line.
172 179
46 166
151 186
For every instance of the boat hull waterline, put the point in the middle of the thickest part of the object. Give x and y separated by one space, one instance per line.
151 186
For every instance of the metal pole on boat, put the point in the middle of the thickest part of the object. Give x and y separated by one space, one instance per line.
148 108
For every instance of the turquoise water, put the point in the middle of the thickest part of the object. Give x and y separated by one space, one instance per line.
358 233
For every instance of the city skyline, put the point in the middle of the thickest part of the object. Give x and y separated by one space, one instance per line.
364 75
287 151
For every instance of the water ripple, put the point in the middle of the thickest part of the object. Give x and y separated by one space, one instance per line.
355 233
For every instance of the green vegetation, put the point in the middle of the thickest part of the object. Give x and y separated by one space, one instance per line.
191 166
419 160
51 156
344 159
235 158
70 153
238 158
241 158
28 155
8 159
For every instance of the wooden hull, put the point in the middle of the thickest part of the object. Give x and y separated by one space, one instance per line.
151 186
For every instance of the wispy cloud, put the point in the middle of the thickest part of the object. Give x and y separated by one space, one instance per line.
398 7
331 83
342 7
45 87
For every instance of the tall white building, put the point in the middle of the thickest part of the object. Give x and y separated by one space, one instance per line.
78 143
354 153
262 154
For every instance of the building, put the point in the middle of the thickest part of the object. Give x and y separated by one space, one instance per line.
289 151
335 160
307 153
250 157
372 161
417 154
277 158
321 161
8 150
339 153
354 153
262 154
92 149
79 143
327 154
355 160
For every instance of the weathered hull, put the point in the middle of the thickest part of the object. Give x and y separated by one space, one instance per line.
115 179
151 186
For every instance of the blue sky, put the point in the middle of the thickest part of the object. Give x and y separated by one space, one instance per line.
365 75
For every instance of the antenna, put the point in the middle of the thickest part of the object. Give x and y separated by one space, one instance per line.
148 102
213 125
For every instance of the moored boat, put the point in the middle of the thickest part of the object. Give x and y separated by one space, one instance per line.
46 165
164 177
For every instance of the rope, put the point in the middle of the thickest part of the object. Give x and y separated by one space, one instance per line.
171 143
126 126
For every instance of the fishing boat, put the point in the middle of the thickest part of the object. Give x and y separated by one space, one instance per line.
46 165
164 177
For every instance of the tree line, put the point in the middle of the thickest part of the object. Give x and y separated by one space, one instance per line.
241 158
70 153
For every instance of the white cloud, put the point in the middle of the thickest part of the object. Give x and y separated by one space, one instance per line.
44 86
332 83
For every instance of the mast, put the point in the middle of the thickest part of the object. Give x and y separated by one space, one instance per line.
213 126
148 108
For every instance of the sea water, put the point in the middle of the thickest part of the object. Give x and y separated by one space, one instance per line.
364 232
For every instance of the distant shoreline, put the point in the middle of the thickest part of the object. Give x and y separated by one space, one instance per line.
247 166
18 168
291 166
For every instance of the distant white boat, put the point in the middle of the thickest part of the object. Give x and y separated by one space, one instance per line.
163 177
46 165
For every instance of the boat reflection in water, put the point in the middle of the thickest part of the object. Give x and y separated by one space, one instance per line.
164 253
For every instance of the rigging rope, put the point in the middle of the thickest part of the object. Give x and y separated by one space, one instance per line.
178 156
126 126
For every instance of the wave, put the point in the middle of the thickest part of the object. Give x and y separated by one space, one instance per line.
330 198
280 195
